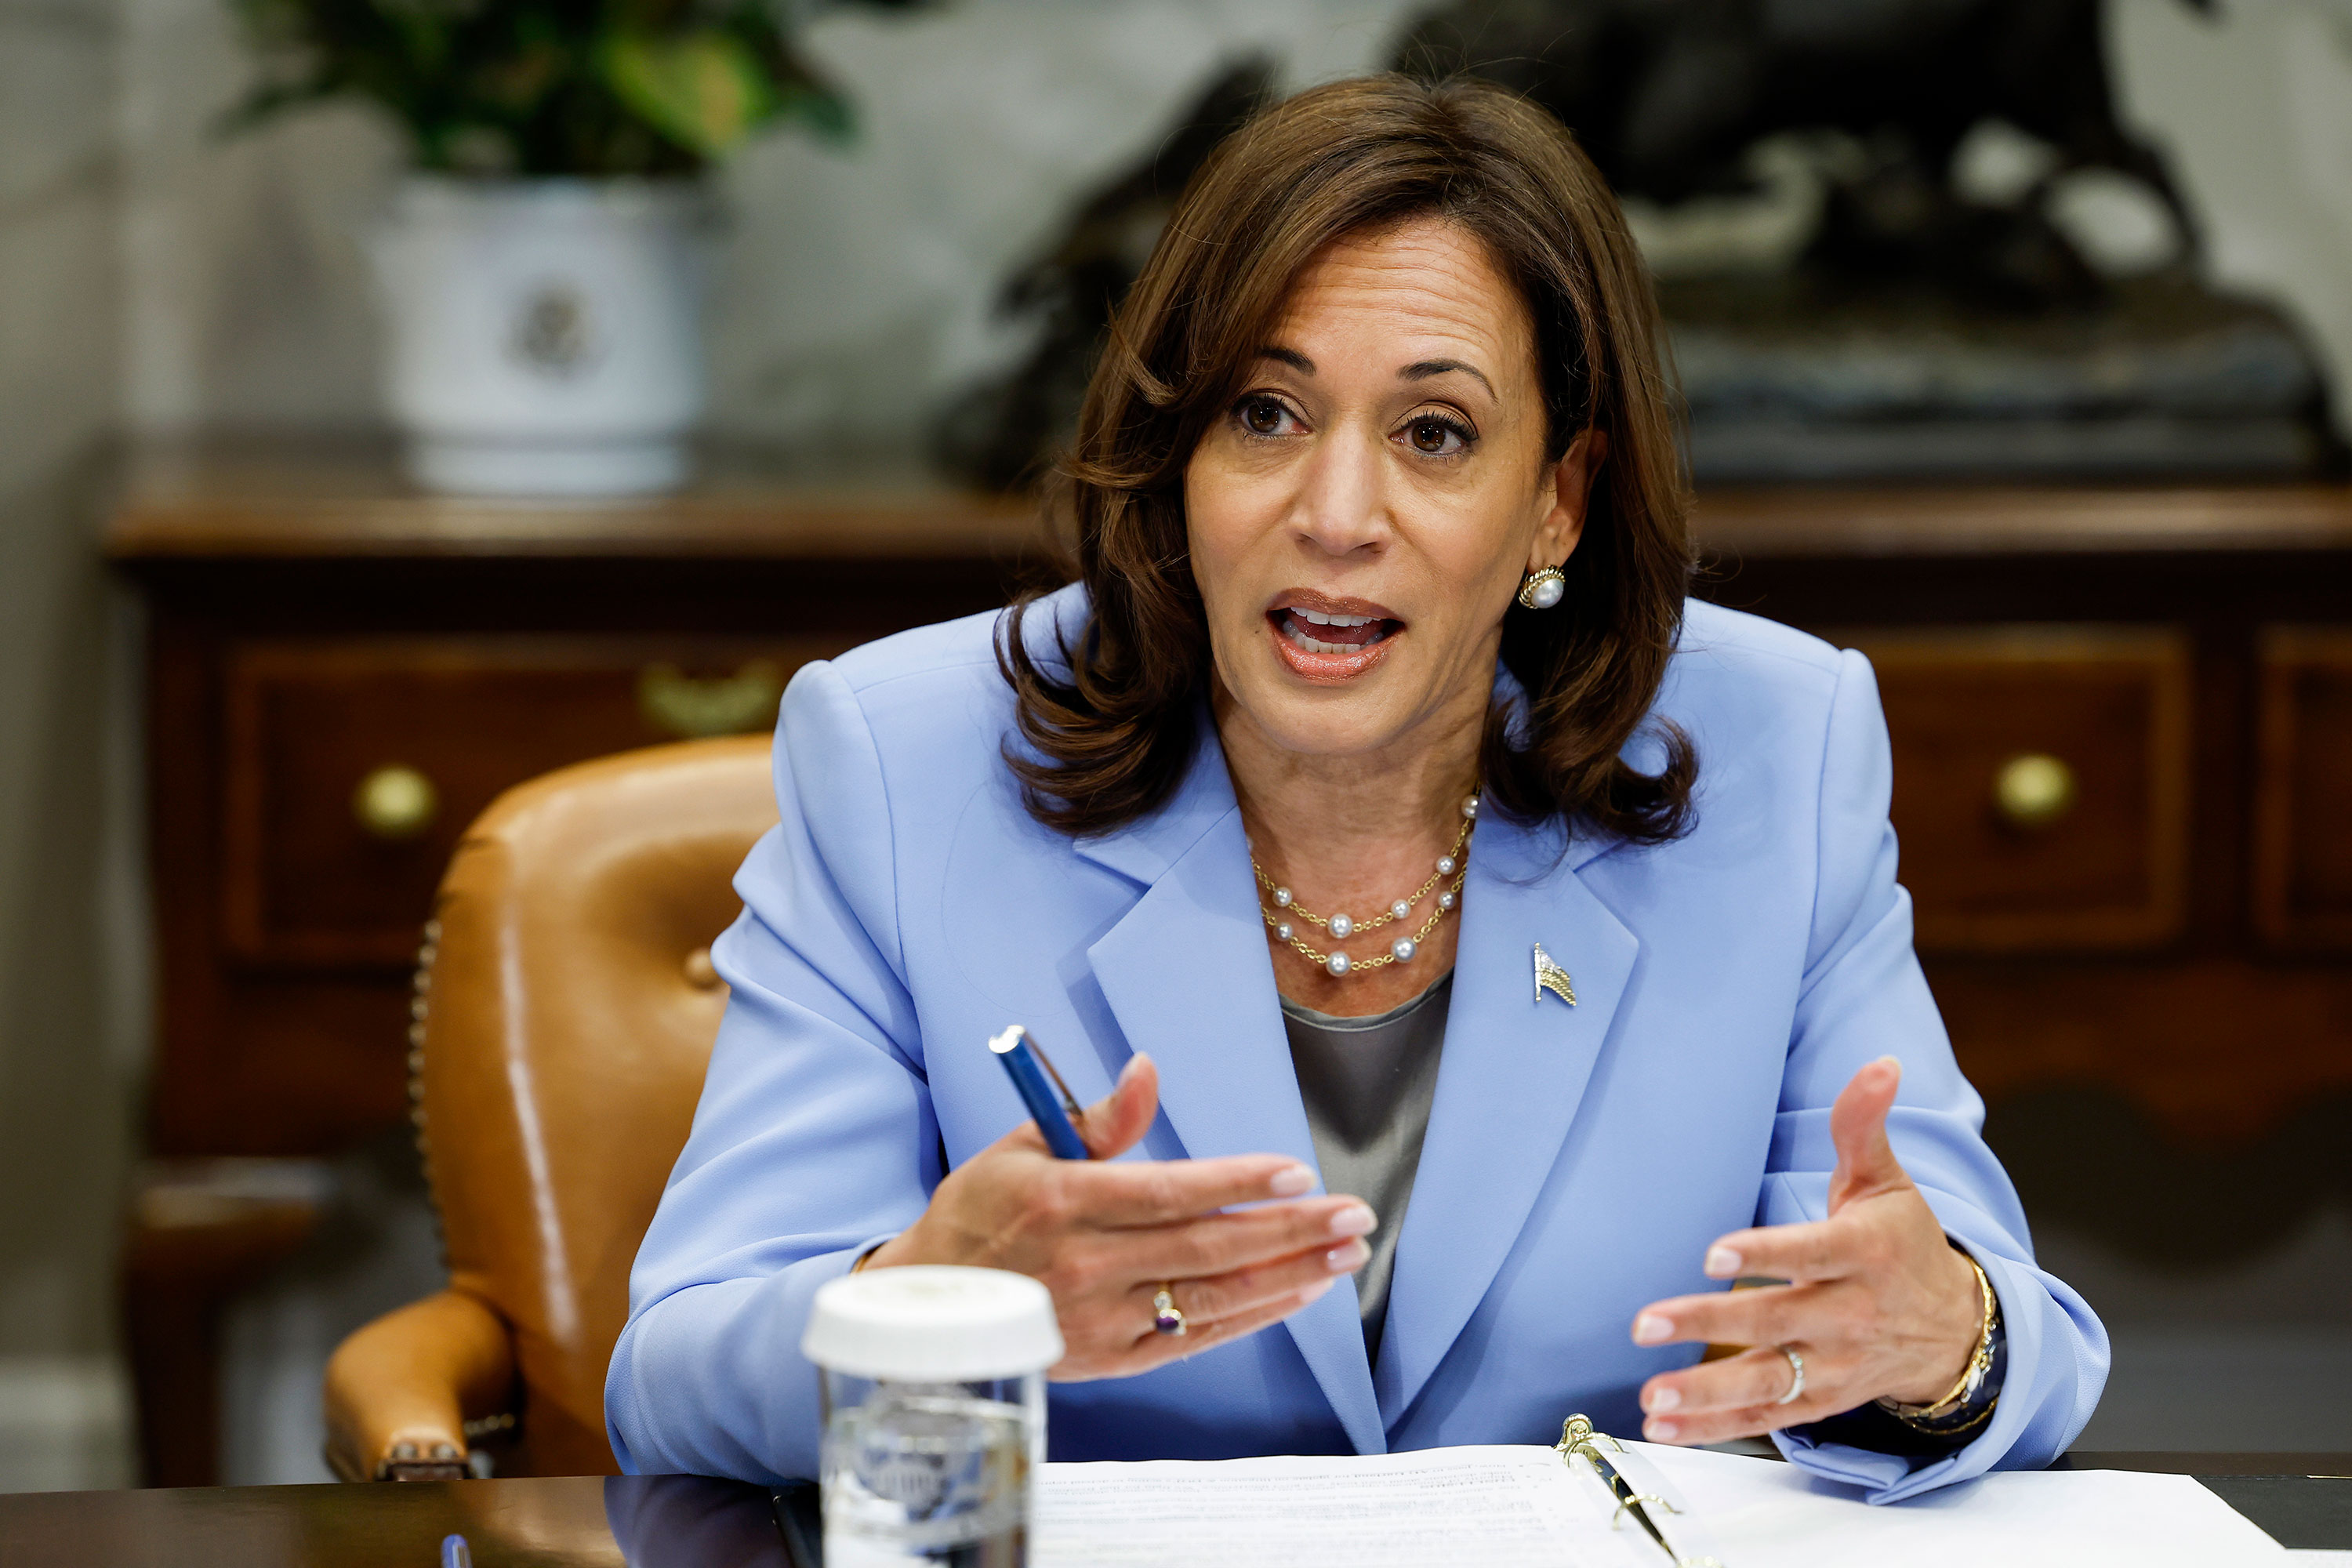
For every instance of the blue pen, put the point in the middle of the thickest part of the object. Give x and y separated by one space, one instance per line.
1028 1068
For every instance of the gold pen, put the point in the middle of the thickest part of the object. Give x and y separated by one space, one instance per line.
1579 1436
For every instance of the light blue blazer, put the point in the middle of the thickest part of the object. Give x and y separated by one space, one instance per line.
1578 1161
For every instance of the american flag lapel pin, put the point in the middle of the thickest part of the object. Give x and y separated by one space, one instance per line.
1551 977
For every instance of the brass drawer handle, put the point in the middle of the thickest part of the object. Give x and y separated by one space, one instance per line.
722 705
2032 791
396 802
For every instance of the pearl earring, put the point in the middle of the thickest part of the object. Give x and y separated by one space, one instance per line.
1543 589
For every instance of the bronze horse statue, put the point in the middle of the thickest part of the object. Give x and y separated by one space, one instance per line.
1667 96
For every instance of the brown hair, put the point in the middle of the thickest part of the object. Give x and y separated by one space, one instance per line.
1112 738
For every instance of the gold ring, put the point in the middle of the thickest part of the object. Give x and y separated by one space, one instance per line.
1165 1318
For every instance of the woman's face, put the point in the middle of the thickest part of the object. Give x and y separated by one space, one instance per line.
1361 516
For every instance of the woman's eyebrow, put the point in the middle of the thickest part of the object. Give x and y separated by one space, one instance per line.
1421 370
1291 357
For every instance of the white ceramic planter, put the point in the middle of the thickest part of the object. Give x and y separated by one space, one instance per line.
544 336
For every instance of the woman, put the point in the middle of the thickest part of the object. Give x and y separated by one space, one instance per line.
1381 610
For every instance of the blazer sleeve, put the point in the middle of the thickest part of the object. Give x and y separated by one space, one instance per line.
1864 996
815 1137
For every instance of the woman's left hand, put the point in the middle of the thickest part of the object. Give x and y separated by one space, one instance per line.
1878 1303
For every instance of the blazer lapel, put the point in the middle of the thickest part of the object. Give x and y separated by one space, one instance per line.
1513 1073
1187 973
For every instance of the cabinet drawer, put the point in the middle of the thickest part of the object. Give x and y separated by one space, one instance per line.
2302 796
2041 784
351 768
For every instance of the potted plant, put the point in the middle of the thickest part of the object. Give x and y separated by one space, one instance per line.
541 264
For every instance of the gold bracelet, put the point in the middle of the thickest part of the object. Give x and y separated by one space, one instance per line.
1972 1375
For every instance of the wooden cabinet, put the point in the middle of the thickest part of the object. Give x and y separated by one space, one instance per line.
352 765
348 768
342 675
2303 805
2041 784
2122 724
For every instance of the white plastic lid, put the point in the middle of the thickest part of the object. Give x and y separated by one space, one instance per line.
933 1323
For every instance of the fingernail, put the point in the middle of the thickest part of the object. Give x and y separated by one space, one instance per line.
1290 1181
1665 1399
1129 1071
1353 1220
1661 1431
1649 1329
1722 1263
1315 1293
1348 1257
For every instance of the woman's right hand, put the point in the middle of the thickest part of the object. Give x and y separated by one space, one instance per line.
1104 1237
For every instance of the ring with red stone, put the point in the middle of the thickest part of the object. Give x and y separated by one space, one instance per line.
1165 1318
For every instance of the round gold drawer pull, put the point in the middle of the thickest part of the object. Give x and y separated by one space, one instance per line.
722 705
396 802
2034 790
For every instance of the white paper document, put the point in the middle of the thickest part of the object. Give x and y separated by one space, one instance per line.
1523 1507
1763 1514
1498 1507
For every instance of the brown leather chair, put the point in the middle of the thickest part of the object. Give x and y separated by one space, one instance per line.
566 1008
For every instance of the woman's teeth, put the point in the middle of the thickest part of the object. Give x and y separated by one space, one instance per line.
1359 632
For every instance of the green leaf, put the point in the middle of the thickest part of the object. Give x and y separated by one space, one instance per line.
705 90
822 110
550 86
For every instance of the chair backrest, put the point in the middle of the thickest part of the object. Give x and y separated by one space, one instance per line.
569 1008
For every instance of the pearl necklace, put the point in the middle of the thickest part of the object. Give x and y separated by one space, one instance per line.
1342 927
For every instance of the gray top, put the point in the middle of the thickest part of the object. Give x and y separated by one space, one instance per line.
1368 1084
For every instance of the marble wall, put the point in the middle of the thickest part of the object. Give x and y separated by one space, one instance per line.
70 981
2252 107
852 286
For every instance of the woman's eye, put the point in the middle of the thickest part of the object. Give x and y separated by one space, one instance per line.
1436 437
1263 415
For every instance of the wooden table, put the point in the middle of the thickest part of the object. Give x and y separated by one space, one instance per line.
643 1521
655 1521
342 673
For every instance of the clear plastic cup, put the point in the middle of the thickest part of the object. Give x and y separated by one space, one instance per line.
934 1406
930 1472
